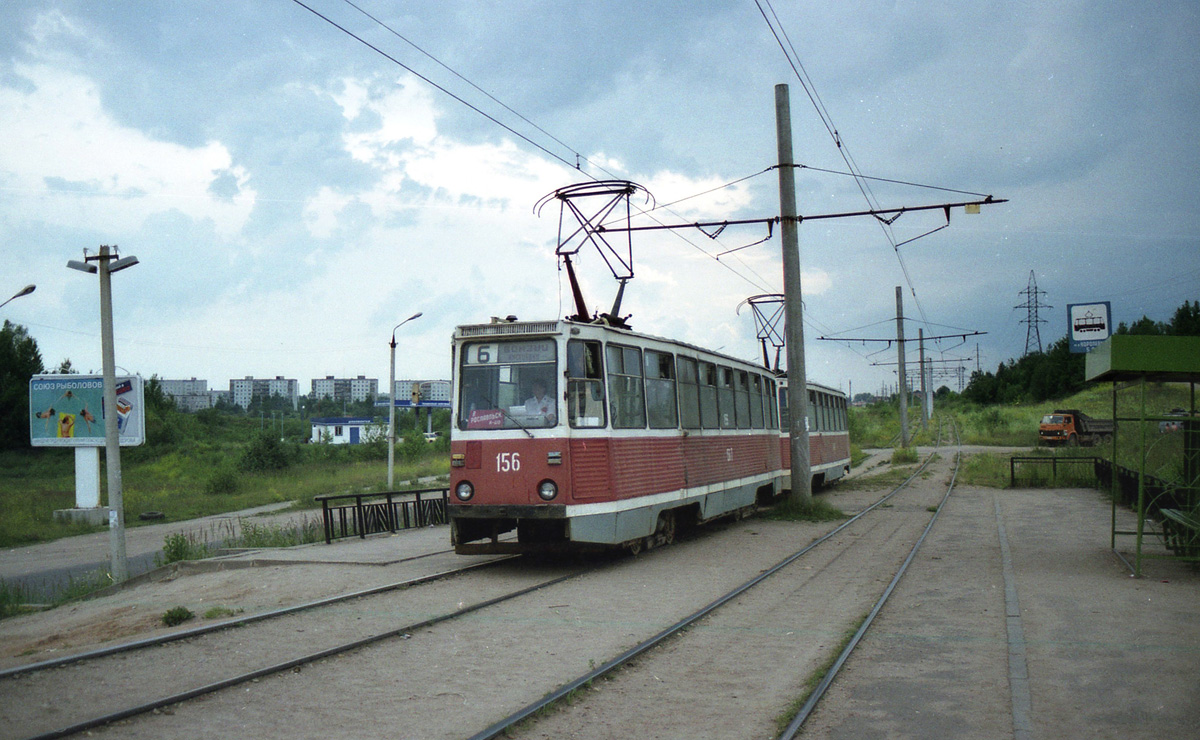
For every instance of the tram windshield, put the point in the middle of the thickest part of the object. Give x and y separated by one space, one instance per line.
508 385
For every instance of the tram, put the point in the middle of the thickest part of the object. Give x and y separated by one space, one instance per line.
582 435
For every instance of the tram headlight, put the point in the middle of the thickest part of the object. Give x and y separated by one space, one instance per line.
547 490
464 491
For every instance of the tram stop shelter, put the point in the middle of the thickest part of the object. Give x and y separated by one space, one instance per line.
1155 462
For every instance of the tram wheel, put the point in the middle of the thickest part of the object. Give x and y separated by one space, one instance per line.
666 527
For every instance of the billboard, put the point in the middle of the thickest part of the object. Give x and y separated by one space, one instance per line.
1089 324
68 410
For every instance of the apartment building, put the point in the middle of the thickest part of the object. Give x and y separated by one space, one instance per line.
245 390
188 395
361 388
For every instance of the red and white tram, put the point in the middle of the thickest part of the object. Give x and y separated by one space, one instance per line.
578 435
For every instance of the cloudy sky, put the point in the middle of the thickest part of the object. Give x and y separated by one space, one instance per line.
292 194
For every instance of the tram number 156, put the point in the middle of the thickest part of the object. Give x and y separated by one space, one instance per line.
508 462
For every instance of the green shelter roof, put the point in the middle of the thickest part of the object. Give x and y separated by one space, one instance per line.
1132 357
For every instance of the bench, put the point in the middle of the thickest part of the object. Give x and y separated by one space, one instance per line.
361 514
1181 532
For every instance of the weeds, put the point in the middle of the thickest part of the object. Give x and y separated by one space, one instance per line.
13 599
791 509
182 546
814 679
251 534
220 612
177 615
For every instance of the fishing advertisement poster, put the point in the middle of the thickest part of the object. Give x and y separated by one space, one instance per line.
69 411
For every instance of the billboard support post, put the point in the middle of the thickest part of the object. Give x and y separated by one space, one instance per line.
87 477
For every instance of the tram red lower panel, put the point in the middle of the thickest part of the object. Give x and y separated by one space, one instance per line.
822 449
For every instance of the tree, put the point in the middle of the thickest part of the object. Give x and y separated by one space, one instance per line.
1186 321
19 361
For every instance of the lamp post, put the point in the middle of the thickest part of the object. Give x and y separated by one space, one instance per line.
24 291
106 264
392 402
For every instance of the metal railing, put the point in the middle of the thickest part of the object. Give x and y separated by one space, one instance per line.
373 513
1053 462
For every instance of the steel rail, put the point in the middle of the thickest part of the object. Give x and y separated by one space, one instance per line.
182 696
562 691
810 704
241 621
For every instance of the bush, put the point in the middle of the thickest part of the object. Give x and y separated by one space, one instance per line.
413 447
177 615
182 546
266 452
223 480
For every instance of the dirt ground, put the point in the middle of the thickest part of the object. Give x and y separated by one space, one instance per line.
1104 654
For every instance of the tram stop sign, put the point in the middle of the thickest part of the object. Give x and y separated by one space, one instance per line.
1089 324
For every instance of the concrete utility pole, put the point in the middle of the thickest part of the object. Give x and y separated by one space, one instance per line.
112 446
900 367
793 303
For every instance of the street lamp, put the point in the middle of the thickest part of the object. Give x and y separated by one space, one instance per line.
107 263
24 291
392 403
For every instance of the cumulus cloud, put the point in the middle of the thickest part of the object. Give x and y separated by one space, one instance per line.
66 158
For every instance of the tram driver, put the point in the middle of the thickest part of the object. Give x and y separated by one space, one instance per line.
540 404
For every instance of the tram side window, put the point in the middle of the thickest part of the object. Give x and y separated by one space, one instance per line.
661 410
812 412
625 395
585 384
785 421
845 420
689 393
769 395
741 395
756 402
725 398
709 418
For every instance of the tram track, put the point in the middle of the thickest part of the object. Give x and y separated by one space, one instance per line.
33 681
514 722
242 621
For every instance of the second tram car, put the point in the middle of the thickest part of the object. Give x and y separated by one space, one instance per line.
579 435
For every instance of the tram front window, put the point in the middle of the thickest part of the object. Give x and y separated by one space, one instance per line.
508 385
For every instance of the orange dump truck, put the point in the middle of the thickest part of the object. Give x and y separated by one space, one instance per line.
1073 427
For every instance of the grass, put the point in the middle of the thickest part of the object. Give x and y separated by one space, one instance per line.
993 470
16 600
250 534
34 483
814 679
791 509
220 612
13 600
